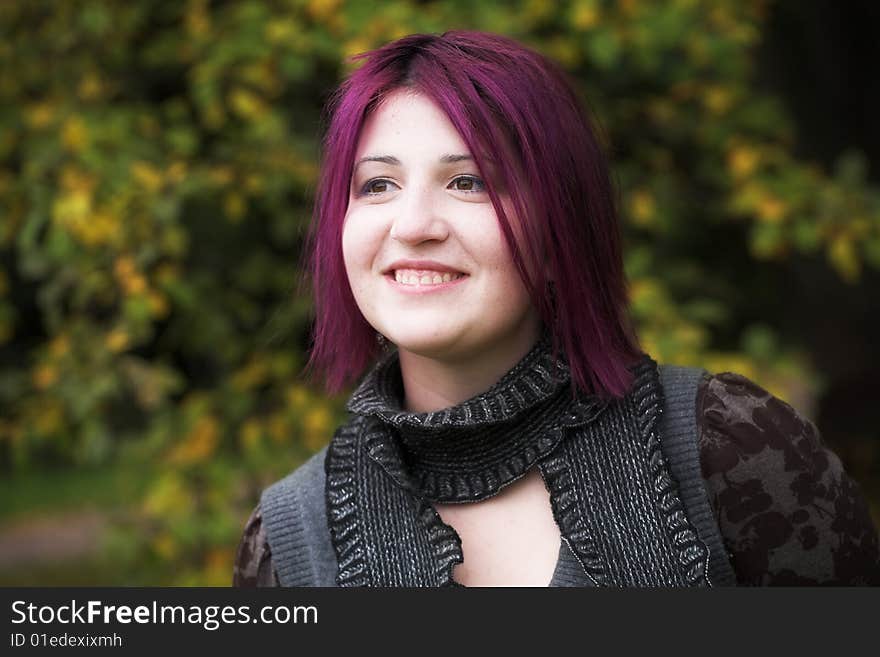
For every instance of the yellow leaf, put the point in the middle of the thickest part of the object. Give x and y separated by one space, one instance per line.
861 227
90 87
50 420
644 291
584 15
398 32
117 340
629 7
73 179
281 31
176 172
134 284
297 396
199 444
742 161
75 134
166 546
717 99
215 115
44 376
317 426
147 175
68 209
198 20
254 183
59 346
102 228
771 209
167 274
253 374
279 429
842 254
355 47
322 9
39 115
250 433
219 560
158 304
168 497
643 207
246 104
649 344
563 51
221 175
234 206
124 267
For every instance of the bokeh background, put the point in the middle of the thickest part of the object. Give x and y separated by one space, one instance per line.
157 164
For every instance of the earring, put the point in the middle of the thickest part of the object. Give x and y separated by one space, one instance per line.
382 341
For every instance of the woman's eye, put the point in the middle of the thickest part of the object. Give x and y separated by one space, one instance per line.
468 184
377 186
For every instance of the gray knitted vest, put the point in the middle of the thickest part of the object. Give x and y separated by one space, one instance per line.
623 476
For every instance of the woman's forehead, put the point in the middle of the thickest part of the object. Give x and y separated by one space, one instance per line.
408 128
409 122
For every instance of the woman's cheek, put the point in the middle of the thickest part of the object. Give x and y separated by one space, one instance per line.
352 243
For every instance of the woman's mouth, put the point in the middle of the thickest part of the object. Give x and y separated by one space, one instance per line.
417 281
424 277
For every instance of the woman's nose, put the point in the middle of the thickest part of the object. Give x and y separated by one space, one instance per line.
418 217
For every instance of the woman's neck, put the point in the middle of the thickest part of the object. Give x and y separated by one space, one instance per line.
431 384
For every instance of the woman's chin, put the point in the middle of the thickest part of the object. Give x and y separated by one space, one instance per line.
438 346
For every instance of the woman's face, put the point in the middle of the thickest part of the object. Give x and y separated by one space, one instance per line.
423 249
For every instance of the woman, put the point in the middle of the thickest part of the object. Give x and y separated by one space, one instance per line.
509 430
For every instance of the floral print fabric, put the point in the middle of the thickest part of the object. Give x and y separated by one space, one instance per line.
788 513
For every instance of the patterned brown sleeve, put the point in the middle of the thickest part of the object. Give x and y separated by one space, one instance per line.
253 561
788 512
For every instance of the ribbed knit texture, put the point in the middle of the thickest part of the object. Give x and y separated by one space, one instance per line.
295 517
470 451
388 538
678 430
616 502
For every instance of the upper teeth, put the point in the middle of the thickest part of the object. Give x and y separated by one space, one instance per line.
423 277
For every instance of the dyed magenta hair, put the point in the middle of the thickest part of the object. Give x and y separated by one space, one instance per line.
516 107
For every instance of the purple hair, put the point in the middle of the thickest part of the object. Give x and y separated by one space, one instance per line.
516 107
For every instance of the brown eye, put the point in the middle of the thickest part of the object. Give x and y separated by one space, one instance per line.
376 186
468 184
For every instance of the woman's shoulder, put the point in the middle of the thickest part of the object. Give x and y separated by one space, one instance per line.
787 510
291 501
743 425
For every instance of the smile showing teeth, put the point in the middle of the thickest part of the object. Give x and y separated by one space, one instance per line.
423 277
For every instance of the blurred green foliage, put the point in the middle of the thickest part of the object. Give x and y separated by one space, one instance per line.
156 164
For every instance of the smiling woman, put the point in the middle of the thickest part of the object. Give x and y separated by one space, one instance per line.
506 428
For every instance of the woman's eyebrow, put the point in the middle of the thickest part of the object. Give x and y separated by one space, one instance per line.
449 158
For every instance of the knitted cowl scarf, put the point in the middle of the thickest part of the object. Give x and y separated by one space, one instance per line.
610 489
